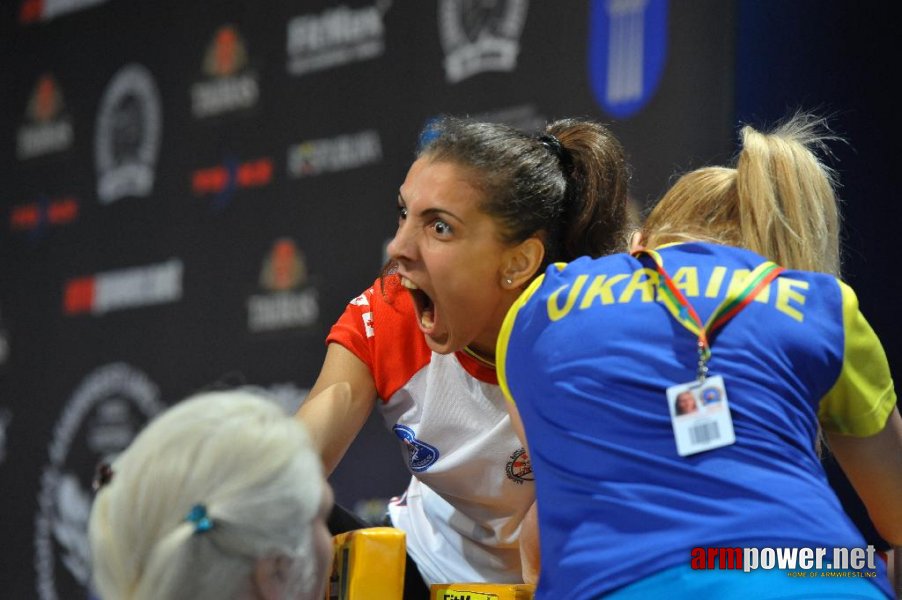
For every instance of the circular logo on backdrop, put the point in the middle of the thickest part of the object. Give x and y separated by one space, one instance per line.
127 139
98 421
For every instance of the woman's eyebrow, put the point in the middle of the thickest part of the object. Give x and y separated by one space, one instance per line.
430 212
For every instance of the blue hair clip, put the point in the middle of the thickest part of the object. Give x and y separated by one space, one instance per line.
198 516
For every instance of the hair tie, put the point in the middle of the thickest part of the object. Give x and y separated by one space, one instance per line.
198 516
552 143
103 474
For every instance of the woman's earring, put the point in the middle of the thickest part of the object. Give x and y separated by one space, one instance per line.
509 281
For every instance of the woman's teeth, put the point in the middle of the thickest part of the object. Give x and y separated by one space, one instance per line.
408 284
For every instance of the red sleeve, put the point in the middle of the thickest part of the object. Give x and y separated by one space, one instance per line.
379 327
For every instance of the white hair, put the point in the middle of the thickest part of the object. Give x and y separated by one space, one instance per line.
247 462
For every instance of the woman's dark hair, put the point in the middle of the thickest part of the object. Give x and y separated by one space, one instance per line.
568 185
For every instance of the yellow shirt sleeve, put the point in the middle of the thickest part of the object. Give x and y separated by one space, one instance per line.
863 396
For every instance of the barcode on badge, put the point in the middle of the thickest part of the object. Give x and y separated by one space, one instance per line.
704 432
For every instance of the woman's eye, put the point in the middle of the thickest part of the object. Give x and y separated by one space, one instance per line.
402 213
441 227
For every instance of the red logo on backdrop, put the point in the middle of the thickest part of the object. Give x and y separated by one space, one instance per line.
232 174
229 84
34 216
45 102
126 288
290 300
226 54
79 295
223 180
31 11
284 268
47 129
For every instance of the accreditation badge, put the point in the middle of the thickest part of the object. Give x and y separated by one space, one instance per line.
700 415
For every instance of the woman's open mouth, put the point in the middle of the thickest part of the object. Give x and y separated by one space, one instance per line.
423 303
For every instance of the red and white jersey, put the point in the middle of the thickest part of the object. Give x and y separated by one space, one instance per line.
472 482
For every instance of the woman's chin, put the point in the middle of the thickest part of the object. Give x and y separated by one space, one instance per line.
440 343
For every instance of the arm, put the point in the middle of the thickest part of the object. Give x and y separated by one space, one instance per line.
874 466
338 405
530 559
530 562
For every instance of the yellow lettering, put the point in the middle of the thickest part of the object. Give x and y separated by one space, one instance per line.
601 288
786 292
715 282
737 282
643 280
686 279
740 280
555 313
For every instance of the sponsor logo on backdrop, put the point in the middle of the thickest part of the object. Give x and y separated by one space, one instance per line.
35 218
290 300
6 418
98 421
340 153
230 84
223 180
121 289
32 11
127 138
524 117
480 35
627 52
49 128
337 36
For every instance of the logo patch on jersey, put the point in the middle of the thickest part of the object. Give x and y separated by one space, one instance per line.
519 469
420 455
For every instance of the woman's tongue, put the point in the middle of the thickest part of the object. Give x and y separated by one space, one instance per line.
427 312
427 318
430 324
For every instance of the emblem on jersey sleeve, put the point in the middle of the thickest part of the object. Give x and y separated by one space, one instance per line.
420 455
519 468
360 300
367 317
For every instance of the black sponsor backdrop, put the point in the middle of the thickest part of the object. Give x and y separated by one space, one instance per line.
782 57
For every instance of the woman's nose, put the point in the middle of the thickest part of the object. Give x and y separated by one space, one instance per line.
403 245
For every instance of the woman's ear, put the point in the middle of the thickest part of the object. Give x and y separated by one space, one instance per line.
637 240
271 577
520 263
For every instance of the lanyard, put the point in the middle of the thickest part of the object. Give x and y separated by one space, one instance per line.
683 311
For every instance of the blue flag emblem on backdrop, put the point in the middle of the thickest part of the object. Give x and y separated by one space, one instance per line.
627 51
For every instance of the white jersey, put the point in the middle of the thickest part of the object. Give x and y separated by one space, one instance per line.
472 482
